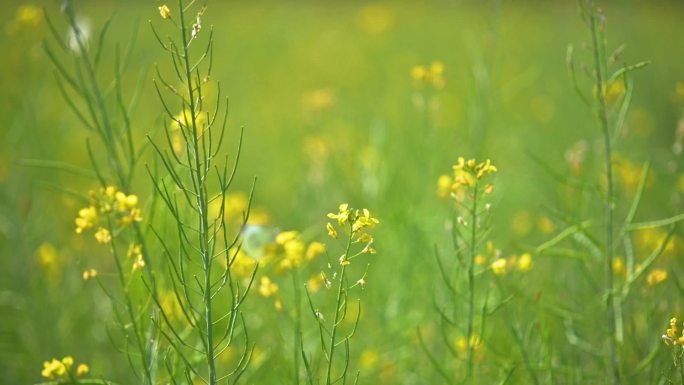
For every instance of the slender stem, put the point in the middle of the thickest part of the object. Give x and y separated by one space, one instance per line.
340 290
610 208
202 206
471 287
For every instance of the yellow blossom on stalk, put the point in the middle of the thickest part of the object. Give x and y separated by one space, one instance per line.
342 216
267 288
165 12
103 236
670 336
524 262
88 274
656 276
344 261
331 230
499 266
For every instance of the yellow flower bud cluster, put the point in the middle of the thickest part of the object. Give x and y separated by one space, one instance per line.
670 336
432 75
107 203
466 174
357 221
62 369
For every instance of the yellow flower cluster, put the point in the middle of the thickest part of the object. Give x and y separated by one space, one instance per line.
356 221
466 174
522 263
670 336
432 75
107 203
294 251
268 288
56 369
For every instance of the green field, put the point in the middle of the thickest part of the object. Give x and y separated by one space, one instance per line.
365 103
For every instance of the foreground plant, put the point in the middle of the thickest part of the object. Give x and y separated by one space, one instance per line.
351 227
190 156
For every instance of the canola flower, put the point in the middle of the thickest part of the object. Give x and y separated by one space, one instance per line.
105 205
466 174
355 221
671 334
62 369
164 12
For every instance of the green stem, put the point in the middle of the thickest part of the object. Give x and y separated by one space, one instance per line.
471 288
338 303
201 206
609 209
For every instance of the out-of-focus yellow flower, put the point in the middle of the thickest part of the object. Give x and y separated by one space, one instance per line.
444 183
618 266
546 225
522 223
165 12
50 261
318 100
314 249
53 369
103 236
267 288
82 369
429 76
314 283
88 274
524 262
139 263
629 173
656 276
461 343
169 305
499 266
369 358
480 260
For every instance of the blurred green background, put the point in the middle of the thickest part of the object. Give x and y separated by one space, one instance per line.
331 114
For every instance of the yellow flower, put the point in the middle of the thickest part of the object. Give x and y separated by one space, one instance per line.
499 266
165 12
134 250
369 358
314 249
656 276
314 283
82 369
139 263
86 219
267 288
546 225
429 76
53 369
344 261
618 265
88 274
331 230
103 236
364 220
444 184
342 216
480 259
524 263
